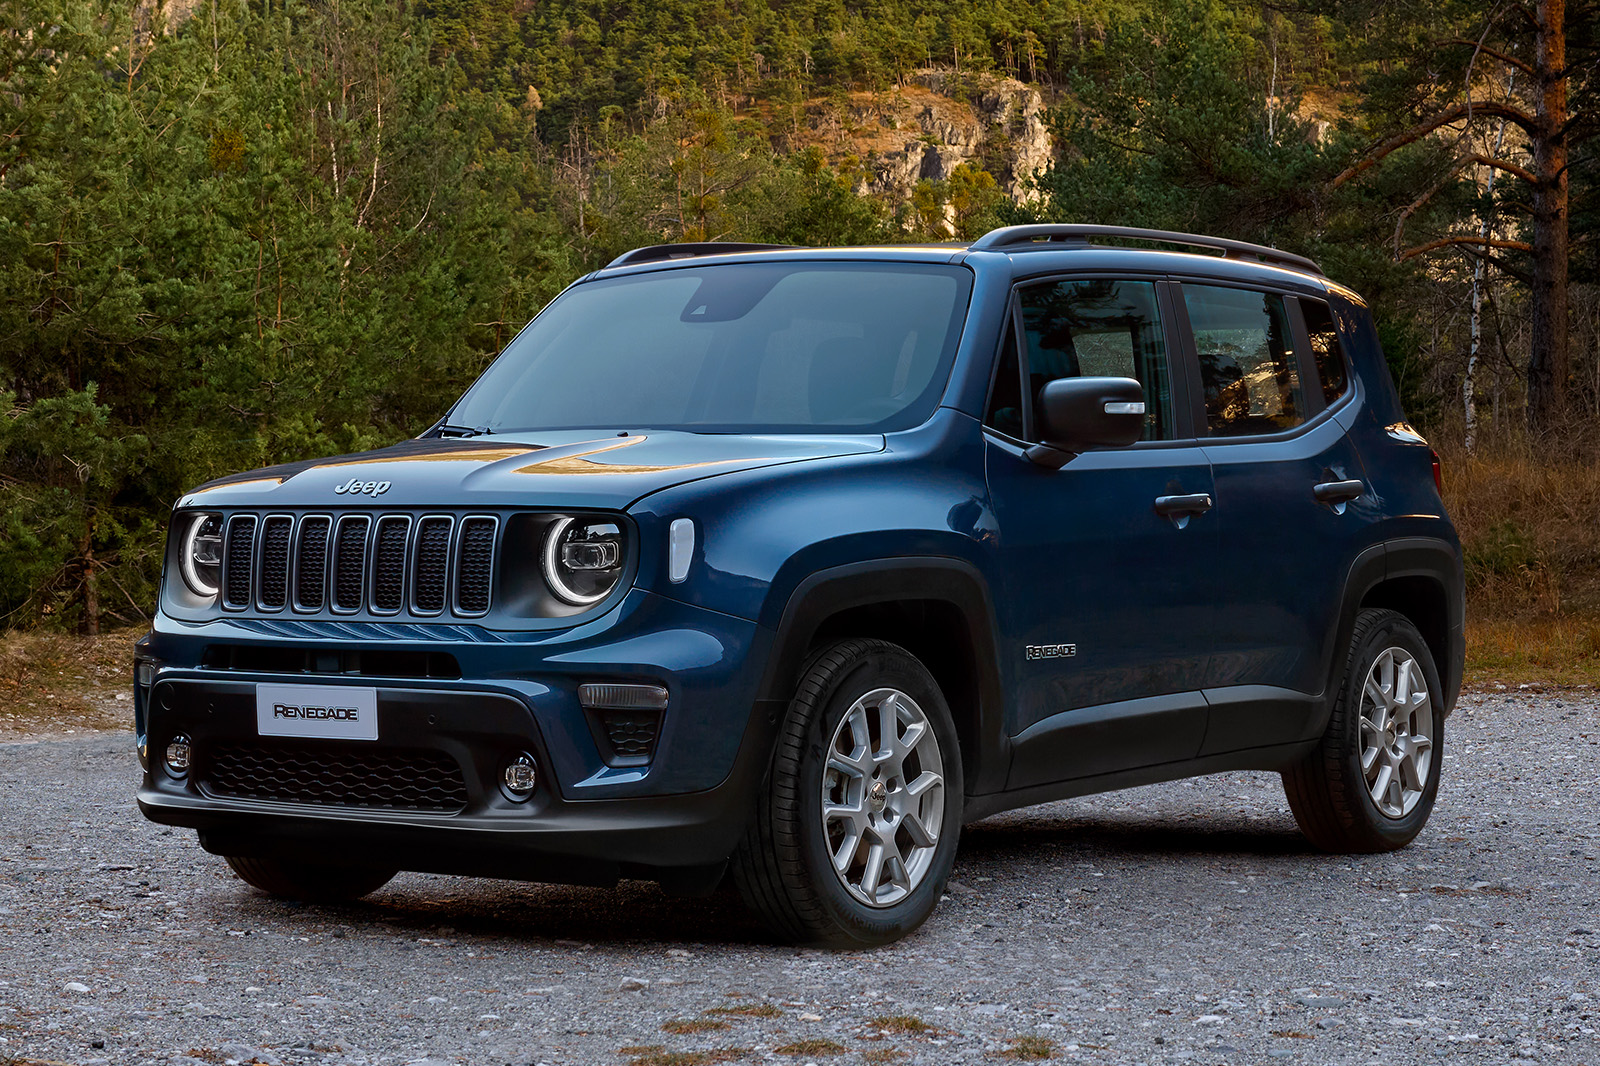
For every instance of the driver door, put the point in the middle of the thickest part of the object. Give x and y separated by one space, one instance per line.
1107 563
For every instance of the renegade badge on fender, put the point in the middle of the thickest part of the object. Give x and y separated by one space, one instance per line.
782 564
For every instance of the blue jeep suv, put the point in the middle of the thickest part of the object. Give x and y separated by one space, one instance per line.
782 564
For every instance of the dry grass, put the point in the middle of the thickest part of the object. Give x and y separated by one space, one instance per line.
1560 652
1527 521
54 683
748 1010
811 1047
1030 1048
902 1023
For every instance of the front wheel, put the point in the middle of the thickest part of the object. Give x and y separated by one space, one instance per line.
1370 784
310 882
855 833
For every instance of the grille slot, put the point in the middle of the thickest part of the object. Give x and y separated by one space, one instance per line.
350 562
275 532
335 776
475 564
240 553
311 573
389 563
433 564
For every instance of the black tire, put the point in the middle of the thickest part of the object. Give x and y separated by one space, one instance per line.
310 882
783 868
1328 791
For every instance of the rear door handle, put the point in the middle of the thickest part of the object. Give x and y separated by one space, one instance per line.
1196 503
1338 491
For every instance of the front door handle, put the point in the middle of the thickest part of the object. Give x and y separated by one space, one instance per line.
1195 503
1338 491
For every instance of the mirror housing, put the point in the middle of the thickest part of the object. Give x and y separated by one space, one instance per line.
1081 414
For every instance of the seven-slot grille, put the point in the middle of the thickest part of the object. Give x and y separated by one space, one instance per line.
384 564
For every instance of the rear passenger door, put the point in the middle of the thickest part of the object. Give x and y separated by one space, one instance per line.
1107 596
1291 498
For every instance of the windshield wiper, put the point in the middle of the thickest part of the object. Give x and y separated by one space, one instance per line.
447 430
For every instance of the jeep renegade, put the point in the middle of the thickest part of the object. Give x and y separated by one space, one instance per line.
782 564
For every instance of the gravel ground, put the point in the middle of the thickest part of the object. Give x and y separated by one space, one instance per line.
1180 923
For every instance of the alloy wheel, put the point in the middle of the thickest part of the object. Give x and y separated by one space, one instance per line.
1396 732
883 797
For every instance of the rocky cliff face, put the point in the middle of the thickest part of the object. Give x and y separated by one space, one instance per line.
928 128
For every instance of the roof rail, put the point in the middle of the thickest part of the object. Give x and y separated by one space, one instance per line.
658 253
1013 237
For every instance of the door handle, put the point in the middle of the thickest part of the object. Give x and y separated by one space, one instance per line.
1196 503
1338 491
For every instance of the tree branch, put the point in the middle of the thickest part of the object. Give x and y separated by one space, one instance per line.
1478 247
1450 114
1510 168
1478 46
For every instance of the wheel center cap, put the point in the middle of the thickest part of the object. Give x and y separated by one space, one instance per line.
877 796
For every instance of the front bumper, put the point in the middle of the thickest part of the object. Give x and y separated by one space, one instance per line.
544 838
587 822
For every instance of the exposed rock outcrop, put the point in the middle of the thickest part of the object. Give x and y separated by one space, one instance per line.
926 129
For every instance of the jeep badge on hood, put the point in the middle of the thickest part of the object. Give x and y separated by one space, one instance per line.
357 487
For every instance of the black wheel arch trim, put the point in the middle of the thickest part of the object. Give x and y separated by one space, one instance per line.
1431 558
828 592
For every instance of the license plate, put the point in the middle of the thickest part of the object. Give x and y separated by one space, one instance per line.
323 711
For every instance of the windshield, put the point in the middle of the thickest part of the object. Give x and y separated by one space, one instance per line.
752 347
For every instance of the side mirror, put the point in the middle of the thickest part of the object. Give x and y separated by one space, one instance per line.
1080 414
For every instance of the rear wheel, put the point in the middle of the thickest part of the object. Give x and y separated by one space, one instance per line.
855 833
1370 784
310 882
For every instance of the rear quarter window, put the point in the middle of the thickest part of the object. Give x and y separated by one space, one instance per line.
1325 349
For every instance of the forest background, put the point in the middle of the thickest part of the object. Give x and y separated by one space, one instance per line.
237 232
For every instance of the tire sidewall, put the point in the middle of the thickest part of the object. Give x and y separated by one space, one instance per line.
1391 632
878 668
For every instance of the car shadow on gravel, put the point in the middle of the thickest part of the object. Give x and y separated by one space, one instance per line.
424 907
428 908
1024 839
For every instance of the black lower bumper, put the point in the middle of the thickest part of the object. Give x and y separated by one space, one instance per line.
476 829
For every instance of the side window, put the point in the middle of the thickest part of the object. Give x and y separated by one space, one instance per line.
1247 363
1099 328
1005 402
1325 347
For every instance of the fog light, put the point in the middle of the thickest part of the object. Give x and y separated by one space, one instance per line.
520 777
146 673
180 753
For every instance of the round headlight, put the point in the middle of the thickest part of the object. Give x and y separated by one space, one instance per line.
583 559
202 554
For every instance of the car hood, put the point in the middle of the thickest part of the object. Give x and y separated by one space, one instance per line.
571 468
